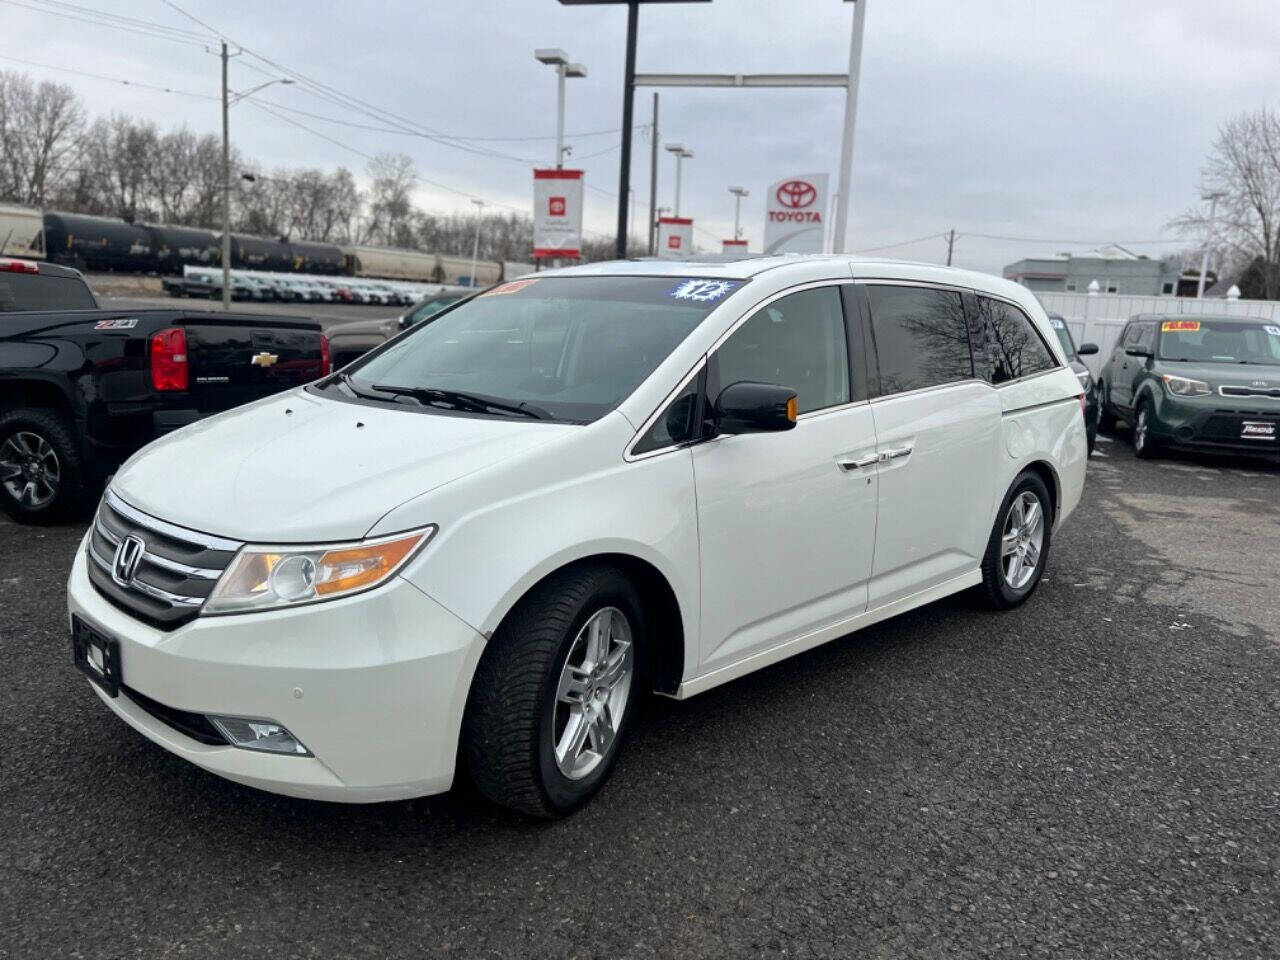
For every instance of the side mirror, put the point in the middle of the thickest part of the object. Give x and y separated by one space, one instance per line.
747 407
404 321
1134 350
1087 349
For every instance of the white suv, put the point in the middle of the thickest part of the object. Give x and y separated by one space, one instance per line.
489 537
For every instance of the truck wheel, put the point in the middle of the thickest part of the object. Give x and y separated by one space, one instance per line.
42 478
555 692
1145 446
1106 419
1018 548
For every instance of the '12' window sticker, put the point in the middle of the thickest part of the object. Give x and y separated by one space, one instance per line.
703 291
1274 331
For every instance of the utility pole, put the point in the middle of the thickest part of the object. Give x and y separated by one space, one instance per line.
226 188
951 242
475 247
850 116
1213 199
653 176
738 194
628 96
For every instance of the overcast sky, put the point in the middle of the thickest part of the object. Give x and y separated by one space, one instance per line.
1069 121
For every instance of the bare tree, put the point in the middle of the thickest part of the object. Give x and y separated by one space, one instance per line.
391 210
1244 167
40 127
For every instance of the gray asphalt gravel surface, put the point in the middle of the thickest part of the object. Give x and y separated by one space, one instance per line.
1096 774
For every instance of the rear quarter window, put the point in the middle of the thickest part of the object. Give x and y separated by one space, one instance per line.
1013 347
33 291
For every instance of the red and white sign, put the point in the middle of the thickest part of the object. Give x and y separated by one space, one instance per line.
675 237
795 220
734 246
557 214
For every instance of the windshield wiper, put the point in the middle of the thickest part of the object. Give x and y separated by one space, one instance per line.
460 400
349 382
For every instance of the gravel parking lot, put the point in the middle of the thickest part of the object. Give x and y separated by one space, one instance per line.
1094 775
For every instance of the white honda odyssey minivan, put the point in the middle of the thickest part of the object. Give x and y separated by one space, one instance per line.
488 539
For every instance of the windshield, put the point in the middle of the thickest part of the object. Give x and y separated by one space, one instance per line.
1064 335
432 307
574 347
1219 341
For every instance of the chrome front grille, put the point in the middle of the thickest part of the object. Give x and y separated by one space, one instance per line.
156 571
1242 391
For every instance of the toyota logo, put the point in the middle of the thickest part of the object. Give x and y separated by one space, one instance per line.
796 194
125 563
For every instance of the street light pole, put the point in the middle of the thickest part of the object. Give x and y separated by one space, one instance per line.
475 247
226 187
738 194
1213 199
850 116
681 154
653 175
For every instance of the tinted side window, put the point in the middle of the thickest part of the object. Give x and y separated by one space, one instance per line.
1129 335
797 342
1014 348
922 337
676 423
31 291
1146 335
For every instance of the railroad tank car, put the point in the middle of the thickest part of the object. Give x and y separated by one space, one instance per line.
321 258
260 253
97 243
174 247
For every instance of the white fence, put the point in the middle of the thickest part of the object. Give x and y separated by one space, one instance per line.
1099 318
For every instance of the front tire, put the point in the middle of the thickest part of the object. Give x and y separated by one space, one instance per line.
555 692
1145 446
1018 548
42 477
1106 419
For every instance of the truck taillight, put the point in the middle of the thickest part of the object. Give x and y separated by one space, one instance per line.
19 266
169 359
326 359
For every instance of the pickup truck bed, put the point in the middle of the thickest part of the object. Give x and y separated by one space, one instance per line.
81 390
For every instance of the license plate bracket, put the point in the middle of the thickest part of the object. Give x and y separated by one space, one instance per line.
97 656
1257 430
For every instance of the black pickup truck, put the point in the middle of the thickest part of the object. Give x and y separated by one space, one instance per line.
82 388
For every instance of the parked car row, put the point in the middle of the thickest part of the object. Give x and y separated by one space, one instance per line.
254 285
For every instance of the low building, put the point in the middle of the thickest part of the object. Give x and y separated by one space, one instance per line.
1116 269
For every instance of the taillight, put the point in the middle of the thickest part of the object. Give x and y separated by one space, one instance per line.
326 361
19 266
169 359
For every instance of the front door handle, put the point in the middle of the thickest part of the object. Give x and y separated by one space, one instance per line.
895 453
849 463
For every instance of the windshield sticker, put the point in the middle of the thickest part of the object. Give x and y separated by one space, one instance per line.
513 287
1057 324
1180 326
119 323
703 291
1274 331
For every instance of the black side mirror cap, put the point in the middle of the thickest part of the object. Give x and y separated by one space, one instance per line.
1087 349
747 407
1136 351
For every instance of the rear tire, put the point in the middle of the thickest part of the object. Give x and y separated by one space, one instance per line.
1018 538
42 476
555 692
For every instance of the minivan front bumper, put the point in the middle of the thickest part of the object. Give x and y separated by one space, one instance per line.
374 685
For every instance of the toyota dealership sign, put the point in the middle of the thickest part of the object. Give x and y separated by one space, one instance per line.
796 218
557 214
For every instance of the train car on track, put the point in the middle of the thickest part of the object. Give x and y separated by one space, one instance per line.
21 232
97 243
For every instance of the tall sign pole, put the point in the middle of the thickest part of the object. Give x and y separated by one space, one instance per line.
850 116
628 98
653 175
226 188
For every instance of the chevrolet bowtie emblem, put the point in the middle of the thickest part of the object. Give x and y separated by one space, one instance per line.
264 359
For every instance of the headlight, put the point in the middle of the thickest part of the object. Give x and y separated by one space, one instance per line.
264 578
1183 387
1085 379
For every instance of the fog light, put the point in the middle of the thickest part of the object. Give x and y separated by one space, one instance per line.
264 735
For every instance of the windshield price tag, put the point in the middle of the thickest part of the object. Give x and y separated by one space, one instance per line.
1180 326
703 291
513 287
1274 331
1057 324
118 323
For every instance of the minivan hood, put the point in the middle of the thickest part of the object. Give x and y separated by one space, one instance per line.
297 468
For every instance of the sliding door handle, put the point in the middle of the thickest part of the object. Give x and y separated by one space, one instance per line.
895 453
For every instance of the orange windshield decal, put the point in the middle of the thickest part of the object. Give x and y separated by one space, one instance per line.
511 287
1180 326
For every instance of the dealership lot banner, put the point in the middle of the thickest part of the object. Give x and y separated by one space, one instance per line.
675 237
734 246
557 214
796 215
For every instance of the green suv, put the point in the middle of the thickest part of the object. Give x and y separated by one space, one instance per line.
1198 383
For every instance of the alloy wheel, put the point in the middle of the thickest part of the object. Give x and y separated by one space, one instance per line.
29 468
1140 430
592 695
1022 541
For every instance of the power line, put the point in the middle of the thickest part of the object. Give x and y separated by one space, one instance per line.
1081 243
99 76
902 243
102 22
120 18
